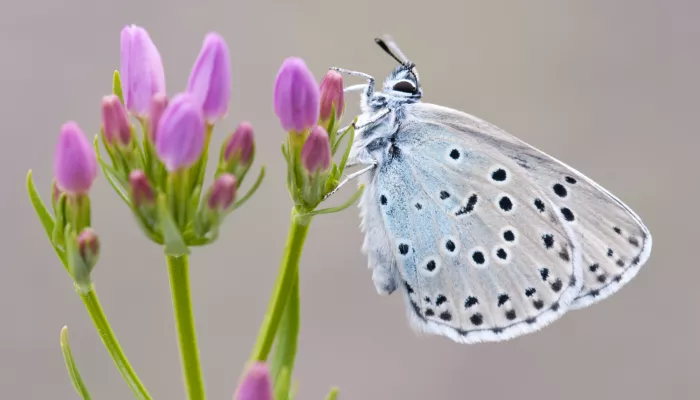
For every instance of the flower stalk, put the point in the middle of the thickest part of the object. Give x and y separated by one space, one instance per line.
178 271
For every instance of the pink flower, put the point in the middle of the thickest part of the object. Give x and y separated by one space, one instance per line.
75 164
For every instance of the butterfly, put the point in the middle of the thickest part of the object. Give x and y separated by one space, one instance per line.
487 237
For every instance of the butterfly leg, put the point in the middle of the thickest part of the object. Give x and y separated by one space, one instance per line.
373 120
369 88
349 178
355 88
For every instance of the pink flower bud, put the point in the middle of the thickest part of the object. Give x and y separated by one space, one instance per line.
180 136
210 79
141 189
222 192
75 164
332 95
158 104
255 384
115 121
89 247
141 72
316 152
296 96
241 144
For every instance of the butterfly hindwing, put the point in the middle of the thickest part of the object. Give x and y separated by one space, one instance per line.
613 240
477 259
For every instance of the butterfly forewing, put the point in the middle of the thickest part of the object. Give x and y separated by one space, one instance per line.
478 260
614 242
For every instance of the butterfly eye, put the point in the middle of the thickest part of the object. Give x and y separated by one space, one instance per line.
404 86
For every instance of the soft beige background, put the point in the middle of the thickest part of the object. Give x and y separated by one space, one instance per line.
611 87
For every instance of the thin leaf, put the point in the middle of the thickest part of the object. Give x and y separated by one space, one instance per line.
344 160
340 140
47 221
75 377
41 211
342 207
112 176
252 189
174 243
117 86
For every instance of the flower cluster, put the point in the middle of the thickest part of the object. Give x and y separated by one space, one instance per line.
163 175
157 148
310 114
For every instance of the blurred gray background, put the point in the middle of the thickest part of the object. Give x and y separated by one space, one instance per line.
610 87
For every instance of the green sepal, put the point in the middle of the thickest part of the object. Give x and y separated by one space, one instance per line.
333 394
117 182
76 266
117 86
172 238
47 221
331 127
57 236
77 211
73 371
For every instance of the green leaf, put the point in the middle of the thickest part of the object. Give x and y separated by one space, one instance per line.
47 221
333 394
72 368
117 182
174 243
252 189
117 86
339 208
286 340
340 140
344 160
41 211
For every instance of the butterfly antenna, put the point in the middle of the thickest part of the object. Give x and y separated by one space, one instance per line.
389 51
391 48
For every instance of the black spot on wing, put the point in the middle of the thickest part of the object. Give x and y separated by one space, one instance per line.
559 190
469 207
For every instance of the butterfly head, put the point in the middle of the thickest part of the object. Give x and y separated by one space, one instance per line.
403 83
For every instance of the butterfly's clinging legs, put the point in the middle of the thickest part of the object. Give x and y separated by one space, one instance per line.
355 88
374 119
349 178
369 91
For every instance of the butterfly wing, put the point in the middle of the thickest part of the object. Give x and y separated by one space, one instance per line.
450 220
614 241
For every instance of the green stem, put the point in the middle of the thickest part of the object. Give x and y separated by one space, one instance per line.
92 303
286 277
178 270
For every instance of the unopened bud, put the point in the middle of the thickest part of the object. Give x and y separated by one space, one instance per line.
115 121
222 193
316 152
238 151
141 189
89 247
332 97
